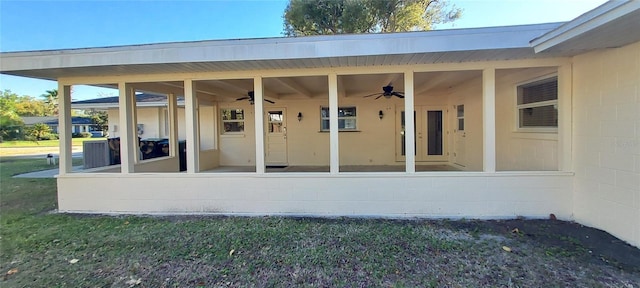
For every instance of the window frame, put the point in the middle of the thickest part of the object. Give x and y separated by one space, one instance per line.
518 107
223 121
355 119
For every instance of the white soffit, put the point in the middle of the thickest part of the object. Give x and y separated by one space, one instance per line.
441 46
613 24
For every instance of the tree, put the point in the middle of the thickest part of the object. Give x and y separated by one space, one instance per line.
51 102
38 131
321 17
29 106
10 122
99 118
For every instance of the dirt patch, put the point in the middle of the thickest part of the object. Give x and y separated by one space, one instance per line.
559 238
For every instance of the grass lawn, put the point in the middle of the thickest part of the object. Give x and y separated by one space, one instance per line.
45 143
43 249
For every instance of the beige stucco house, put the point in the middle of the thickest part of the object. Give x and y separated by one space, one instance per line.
508 121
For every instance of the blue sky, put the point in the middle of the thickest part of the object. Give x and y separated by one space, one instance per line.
45 25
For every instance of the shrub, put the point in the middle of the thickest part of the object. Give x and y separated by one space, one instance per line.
81 135
50 136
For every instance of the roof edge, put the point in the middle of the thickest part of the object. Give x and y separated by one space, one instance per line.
588 21
269 40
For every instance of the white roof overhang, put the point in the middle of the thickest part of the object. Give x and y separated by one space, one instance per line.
442 46
613 24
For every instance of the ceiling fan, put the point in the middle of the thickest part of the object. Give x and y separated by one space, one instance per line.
387 92
250 97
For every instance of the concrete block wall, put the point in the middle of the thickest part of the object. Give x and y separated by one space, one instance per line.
606 140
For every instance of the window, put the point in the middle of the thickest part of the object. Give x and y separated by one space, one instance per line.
346 118
232 120
460 117
538 104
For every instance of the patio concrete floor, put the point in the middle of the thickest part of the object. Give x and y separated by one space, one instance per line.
350 168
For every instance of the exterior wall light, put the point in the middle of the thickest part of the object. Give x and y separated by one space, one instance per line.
299 116
380 114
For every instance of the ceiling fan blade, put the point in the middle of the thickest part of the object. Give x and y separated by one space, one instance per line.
269 101
379 96
397 94
242 98
374 94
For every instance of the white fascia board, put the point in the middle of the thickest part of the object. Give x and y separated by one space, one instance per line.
281 48
595 18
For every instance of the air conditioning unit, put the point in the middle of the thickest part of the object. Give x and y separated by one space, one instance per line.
95 154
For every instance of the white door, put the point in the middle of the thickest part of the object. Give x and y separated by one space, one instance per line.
276 138
459 135
430 133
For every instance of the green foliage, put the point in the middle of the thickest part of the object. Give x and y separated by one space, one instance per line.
306 17
81 135
51 102
10 122
38 131
29 106
99 118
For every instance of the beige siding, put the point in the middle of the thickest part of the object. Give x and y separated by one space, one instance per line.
515 150
454 195
469 95
606 140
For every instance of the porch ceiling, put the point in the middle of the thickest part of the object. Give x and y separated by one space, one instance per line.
306 87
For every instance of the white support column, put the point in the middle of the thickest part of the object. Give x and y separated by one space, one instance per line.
258 96
489 119
409 124
64 128
128 132
172 115
334 147
191 115
565 103
135 143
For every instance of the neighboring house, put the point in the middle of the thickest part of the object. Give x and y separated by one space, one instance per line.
78 124
527 120
151 116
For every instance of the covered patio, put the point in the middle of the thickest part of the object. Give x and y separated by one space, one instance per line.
293 132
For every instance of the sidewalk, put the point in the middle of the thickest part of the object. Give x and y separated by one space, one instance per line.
40 152
51 173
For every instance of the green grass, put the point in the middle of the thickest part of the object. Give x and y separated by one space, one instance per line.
117 251
44 143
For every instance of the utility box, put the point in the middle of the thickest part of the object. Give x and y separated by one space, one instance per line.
95 154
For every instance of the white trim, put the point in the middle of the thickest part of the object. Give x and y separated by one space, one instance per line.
191 121
536 129
268 49
65 128
322 71
489 119
593 19
565 116
258 97
128 153
334 146
409 123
